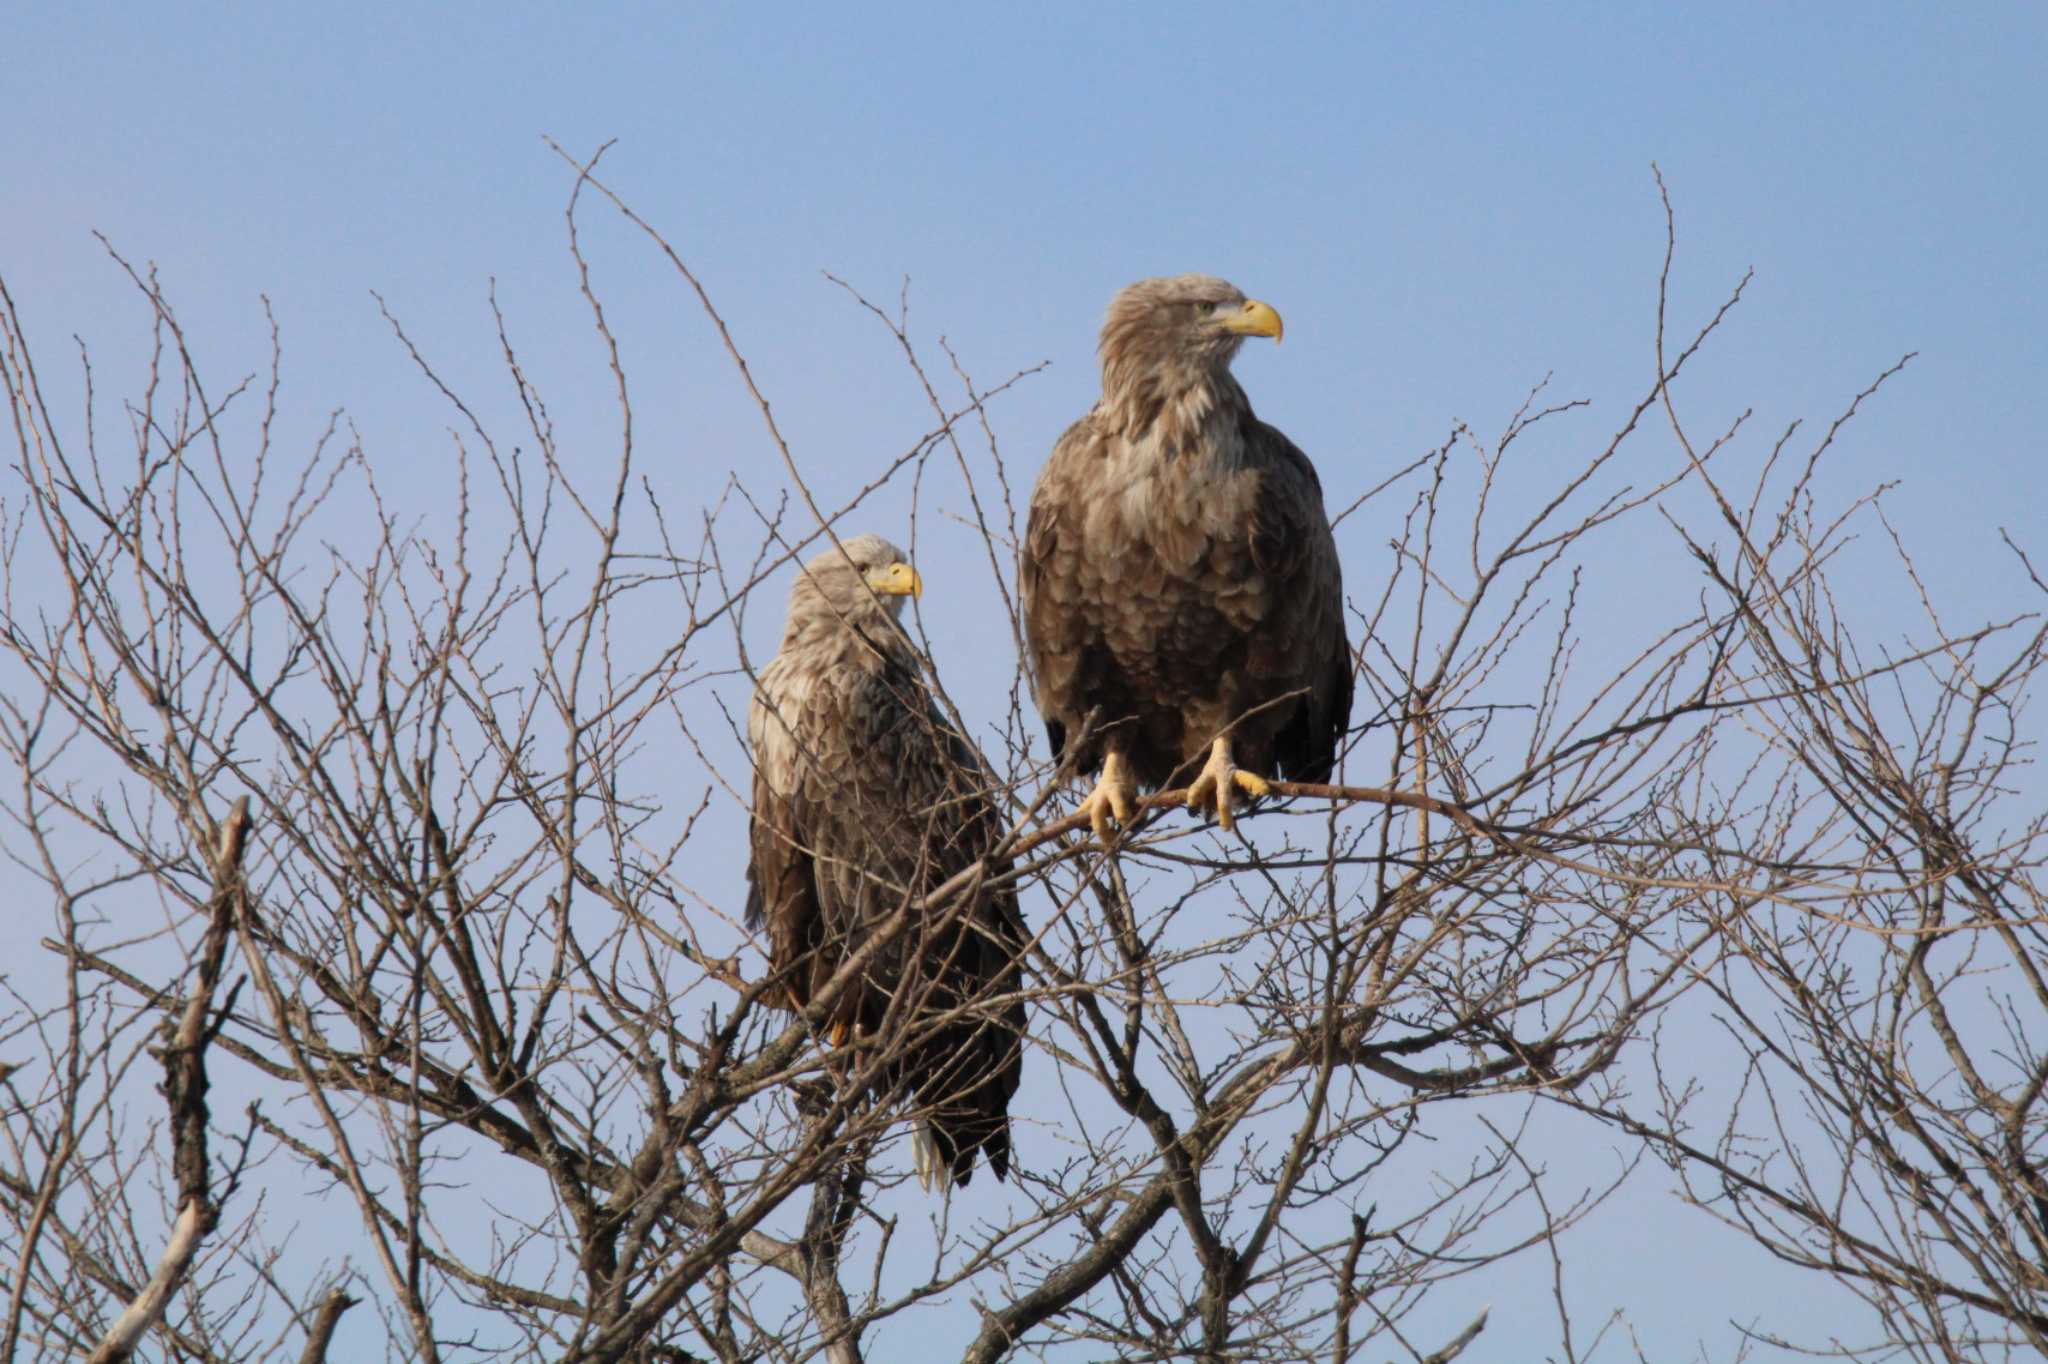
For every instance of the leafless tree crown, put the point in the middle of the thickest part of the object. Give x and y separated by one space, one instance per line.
391 840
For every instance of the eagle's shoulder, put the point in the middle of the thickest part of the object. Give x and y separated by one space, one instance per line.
1073 475
1272 447
1076 459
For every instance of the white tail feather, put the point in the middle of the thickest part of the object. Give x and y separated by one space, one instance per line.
932 1169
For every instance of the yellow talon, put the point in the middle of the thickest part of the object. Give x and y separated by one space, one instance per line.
1212 789
1111 804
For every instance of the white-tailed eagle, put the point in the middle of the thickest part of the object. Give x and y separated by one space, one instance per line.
1180 582
866 799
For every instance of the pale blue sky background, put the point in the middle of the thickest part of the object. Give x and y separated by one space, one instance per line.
1445 202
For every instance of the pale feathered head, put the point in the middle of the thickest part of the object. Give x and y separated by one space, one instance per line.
1178 331
864 585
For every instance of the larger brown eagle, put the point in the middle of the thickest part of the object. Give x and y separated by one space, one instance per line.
866 800
1180 583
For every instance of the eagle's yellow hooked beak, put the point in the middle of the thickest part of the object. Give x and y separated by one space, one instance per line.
897 580
1254 319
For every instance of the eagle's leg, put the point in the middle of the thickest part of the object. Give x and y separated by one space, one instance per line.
1213 788
1114 799
840 1060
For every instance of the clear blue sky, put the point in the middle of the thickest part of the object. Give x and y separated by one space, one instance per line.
1446 202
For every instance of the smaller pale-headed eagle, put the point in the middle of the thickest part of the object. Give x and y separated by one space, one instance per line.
866 800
